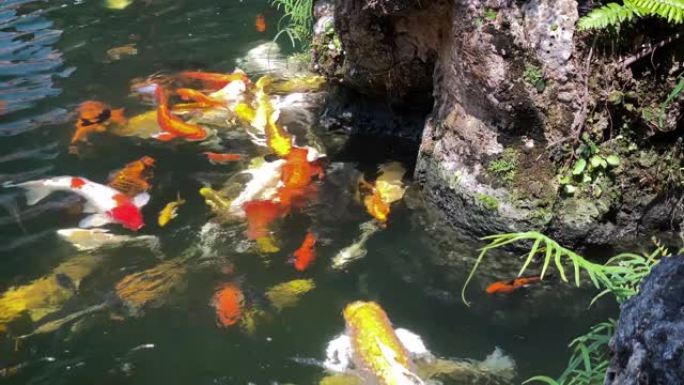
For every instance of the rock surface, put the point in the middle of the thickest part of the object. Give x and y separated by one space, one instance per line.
648 346
510 77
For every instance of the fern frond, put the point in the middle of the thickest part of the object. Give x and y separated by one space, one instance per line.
550 251
671 10
610 15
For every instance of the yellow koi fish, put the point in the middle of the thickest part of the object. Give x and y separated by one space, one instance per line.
169 211
377 348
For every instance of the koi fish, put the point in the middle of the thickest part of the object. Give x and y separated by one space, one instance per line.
260 23
217 158
174 126
133 178
288 294
377 347
201 100
169 211
93 239
260 214
509 286
376 207
297 171
214 80
107 204
228 302
265 178
356 250
305 254
94 116
215 200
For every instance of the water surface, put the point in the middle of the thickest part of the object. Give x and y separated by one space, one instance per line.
53 56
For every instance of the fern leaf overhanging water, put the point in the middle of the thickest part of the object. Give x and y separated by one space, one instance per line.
613 14
297 20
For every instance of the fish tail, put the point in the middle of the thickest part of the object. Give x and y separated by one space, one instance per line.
118 116
35 191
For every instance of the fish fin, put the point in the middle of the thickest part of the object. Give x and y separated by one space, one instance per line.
35 191
118 116
89 208
141 199
95 220
164 136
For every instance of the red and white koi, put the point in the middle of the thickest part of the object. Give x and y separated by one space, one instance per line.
105 204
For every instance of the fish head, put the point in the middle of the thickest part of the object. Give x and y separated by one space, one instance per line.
128 215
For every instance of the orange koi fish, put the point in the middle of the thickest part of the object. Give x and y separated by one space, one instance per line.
305 254
94 116
509 286
228 302
201 99
260 214
213 80
174 126
297 172
134 177
376 207
218 158
260 23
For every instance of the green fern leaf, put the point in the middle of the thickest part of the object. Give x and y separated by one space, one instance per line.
671 10
610 15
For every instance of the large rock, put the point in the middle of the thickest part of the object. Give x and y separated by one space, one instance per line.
648 346
506 77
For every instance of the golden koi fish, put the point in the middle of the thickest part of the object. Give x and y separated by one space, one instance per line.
376 346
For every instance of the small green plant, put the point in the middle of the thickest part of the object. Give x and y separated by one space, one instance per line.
613 14
488 202
589 360
535 77
297 20
676 91
591 162
490 14
506 166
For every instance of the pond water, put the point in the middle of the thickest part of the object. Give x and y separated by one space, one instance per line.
53 56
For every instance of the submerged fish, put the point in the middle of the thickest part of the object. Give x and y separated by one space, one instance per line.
228 302
373 351
94 116
219 204
213 80
107 204
47 294
151 287
356 250
218 158
93 239
172 125
144 126
305 254
169 211
54 325
134 177
512 285
262 186
260 23
288 294
117 53
260 214
387 188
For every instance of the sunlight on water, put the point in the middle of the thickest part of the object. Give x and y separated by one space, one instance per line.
268 227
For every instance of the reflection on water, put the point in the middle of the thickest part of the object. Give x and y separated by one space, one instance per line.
197 301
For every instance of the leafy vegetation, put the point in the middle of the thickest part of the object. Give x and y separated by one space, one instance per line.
488 202
506 166
620 276
297 21
590 164
613 14
535 77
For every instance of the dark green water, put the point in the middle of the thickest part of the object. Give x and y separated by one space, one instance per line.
53 58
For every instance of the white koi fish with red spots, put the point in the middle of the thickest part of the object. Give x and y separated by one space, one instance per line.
106 204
